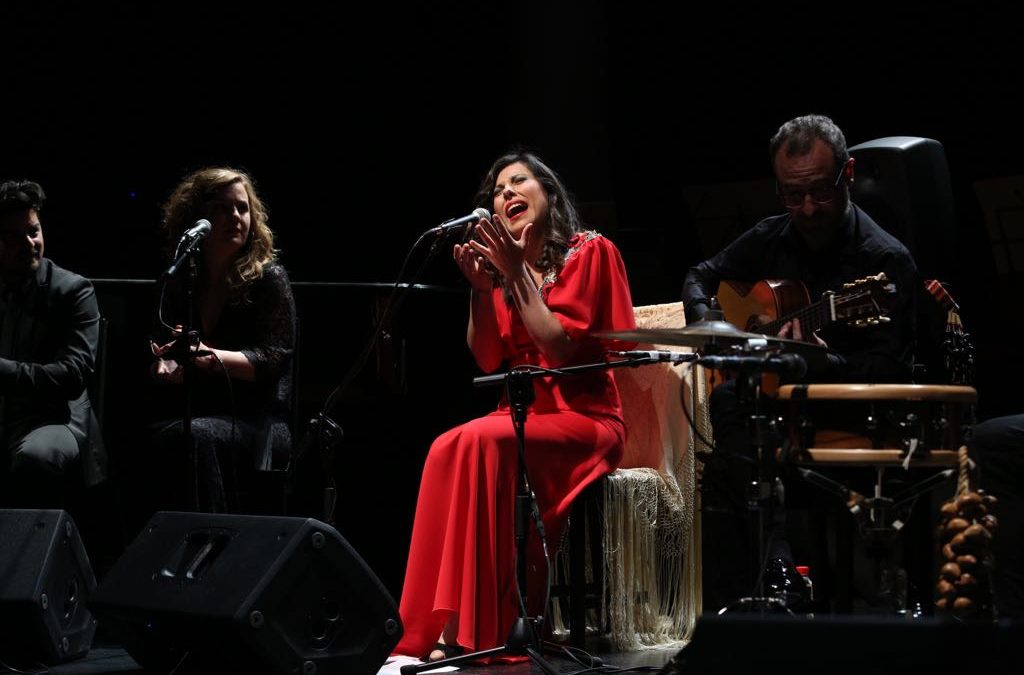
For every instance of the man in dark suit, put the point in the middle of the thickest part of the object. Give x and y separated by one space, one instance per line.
49 326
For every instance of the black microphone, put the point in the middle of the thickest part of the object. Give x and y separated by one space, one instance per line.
187 244
197 231
784 364
656 355
460 223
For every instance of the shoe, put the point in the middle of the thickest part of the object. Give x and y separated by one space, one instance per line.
782 581
449 651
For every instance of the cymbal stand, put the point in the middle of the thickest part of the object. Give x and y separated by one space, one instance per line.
762 490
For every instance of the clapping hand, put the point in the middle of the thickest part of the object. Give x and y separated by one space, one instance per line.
505 252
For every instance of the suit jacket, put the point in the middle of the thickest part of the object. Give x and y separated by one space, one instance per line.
49 328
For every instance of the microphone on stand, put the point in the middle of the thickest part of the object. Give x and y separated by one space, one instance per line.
460 223
189 240
657 355
784 364
196 232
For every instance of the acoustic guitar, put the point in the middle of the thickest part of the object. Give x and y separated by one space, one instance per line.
765 306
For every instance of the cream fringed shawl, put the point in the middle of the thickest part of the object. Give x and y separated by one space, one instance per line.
651 527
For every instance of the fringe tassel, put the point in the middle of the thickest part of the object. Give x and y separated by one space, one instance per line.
652 555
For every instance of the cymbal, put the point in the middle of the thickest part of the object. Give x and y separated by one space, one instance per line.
701 334
695 335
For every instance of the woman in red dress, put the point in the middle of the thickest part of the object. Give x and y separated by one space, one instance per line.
540 286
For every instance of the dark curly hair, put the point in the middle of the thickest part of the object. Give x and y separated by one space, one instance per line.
16 195
190 201
563 220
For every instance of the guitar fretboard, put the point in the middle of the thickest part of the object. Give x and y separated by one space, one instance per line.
812 317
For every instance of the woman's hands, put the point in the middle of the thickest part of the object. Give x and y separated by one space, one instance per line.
498 246
474 267
166 368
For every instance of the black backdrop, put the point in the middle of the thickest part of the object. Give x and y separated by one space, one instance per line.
364 126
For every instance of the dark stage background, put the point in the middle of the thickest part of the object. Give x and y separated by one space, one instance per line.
364 127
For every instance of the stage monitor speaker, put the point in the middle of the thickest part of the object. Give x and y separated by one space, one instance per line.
230 593
847 644
45 585
903 183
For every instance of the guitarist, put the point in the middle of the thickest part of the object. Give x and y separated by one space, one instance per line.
822 240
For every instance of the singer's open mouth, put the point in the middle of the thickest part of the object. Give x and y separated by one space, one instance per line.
515 209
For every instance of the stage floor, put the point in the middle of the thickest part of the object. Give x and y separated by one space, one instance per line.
734 643
108 659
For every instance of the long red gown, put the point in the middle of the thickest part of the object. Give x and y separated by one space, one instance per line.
462 555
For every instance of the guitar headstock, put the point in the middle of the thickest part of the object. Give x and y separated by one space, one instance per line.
864 302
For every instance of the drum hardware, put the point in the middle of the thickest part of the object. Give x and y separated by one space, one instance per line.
879 522
750 362
723 346
903 426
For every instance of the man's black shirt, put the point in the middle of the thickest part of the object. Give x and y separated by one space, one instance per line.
773 249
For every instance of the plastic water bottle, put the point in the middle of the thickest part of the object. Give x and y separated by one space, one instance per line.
805 574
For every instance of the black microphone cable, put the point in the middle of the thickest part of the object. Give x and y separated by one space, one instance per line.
326 431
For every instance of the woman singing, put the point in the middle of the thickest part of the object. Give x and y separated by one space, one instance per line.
540 286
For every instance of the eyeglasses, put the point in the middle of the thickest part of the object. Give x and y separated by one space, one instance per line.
794 199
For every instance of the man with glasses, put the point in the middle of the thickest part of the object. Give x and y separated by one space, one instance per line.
49 324
822 240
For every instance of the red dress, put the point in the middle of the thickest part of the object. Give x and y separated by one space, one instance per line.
462 555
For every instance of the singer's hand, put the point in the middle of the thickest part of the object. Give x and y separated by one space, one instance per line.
473 267
504 251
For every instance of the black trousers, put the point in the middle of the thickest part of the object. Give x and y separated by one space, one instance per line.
997 446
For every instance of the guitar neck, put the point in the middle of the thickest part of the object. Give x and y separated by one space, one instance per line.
812 317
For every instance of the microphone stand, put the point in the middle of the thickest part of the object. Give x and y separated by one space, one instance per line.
188 376
184 353
323 432
522 639
761 489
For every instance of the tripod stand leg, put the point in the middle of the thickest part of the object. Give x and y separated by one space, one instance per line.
413 668
522 641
